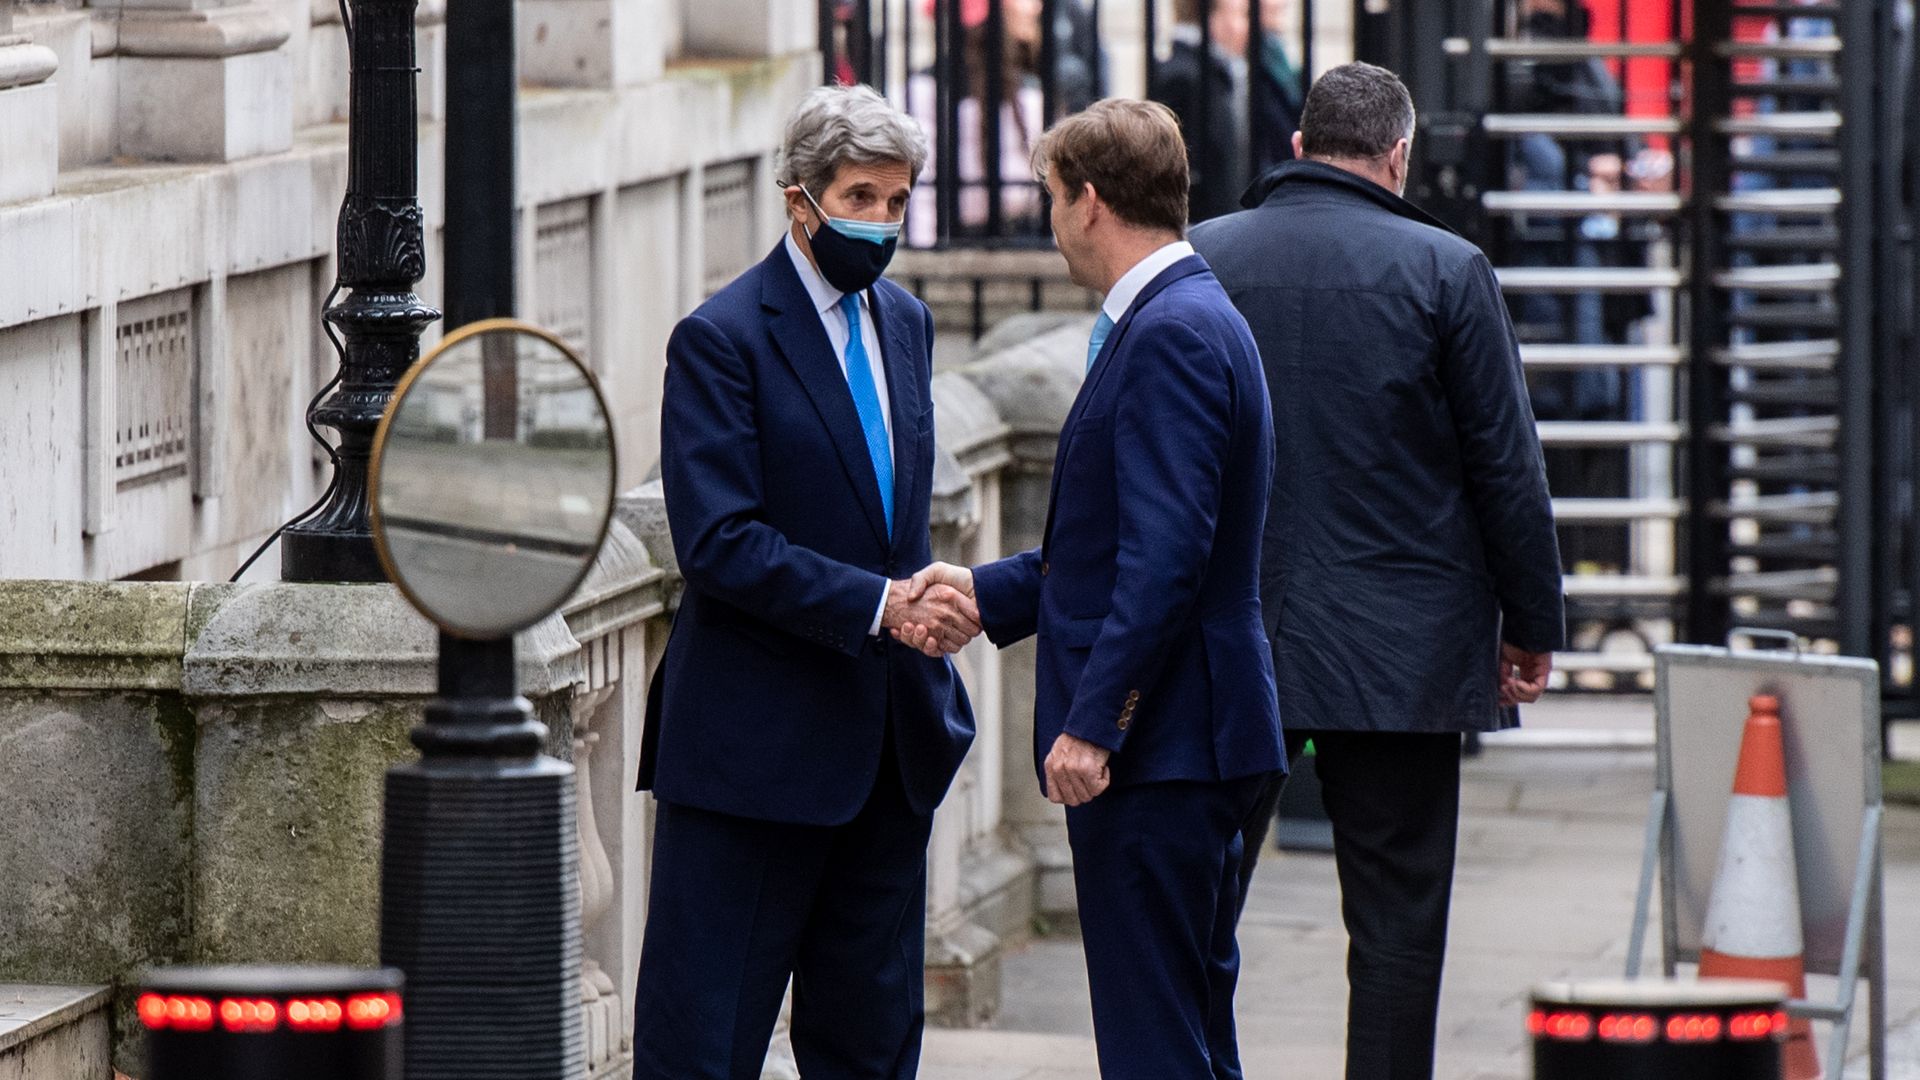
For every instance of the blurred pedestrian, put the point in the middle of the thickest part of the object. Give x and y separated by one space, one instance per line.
1017 99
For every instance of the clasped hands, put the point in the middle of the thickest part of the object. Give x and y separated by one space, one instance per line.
933 611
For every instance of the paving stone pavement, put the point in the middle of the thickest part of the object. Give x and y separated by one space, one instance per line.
1550 843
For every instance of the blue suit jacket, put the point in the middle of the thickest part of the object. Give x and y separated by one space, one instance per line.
772 701
1145 592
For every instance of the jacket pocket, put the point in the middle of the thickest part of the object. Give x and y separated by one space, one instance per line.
1239 663
739 623
1074 633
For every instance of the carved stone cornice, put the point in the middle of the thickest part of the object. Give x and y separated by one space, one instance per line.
213 32
22 63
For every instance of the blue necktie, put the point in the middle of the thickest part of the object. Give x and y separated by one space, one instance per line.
866 400
1101 328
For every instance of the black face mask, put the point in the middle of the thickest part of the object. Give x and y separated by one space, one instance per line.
852 254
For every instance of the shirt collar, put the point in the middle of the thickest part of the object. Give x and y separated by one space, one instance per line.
825 296
1127 289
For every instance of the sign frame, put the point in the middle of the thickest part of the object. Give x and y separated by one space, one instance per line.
1833 777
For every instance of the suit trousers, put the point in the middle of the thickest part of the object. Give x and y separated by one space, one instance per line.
1394 801
736 906
1156 872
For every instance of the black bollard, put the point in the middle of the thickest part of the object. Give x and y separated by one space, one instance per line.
272 1023
1714 1029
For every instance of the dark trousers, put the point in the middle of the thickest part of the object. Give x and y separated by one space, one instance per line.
1394 800
736 906
1156 871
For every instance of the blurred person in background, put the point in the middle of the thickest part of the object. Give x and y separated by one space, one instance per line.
1599 166
1021 100
1219 115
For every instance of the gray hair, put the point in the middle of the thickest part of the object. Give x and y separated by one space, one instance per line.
836 125
1355 111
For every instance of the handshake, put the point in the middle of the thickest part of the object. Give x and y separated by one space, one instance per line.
933 611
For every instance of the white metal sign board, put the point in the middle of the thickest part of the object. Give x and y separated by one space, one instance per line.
1830 719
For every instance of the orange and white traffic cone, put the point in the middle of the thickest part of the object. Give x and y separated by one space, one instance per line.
1753 915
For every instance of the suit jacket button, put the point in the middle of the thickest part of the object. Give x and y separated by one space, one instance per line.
1045 568
1133 696
1122 725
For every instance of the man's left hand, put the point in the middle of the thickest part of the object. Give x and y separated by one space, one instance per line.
1076 771
1523 675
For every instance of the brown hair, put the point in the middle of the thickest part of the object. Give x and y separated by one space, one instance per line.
1130 151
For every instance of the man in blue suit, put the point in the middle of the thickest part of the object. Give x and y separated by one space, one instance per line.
1155 718
796 750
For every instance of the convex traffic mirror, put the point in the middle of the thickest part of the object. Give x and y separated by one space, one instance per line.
493 479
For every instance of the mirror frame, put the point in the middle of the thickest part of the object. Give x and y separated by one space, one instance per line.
445 344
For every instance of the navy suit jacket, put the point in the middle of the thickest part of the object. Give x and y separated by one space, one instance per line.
772 700
1145 592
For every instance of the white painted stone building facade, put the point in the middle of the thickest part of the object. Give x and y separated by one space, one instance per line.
170 175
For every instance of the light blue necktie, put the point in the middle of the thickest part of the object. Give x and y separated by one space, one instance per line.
866 400
1101 328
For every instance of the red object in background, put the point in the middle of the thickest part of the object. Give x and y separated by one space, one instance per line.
1644 79
972 12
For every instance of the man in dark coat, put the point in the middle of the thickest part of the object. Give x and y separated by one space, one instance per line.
1410 577
1211 100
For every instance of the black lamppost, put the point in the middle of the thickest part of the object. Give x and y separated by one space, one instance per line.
381 254
480 876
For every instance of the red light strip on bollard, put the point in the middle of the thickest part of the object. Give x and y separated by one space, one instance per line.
1564 1026
360 1012
249 1014
1687 1028
1755 1026
1628 1028
314 1014
368 1011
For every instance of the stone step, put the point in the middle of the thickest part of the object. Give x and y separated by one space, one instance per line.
55 1032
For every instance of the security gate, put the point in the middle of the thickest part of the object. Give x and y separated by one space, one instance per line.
1763 402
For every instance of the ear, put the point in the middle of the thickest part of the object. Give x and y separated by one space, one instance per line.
798 208
1299 146
1402 152
1090 197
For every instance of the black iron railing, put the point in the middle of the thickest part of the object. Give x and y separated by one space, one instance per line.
986 77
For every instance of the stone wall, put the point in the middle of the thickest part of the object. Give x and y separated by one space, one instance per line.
168 191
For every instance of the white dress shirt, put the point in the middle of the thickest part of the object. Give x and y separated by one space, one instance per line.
1127 289
826 303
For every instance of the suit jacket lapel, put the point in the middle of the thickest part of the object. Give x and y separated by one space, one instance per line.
903 397
802 340
1192 264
